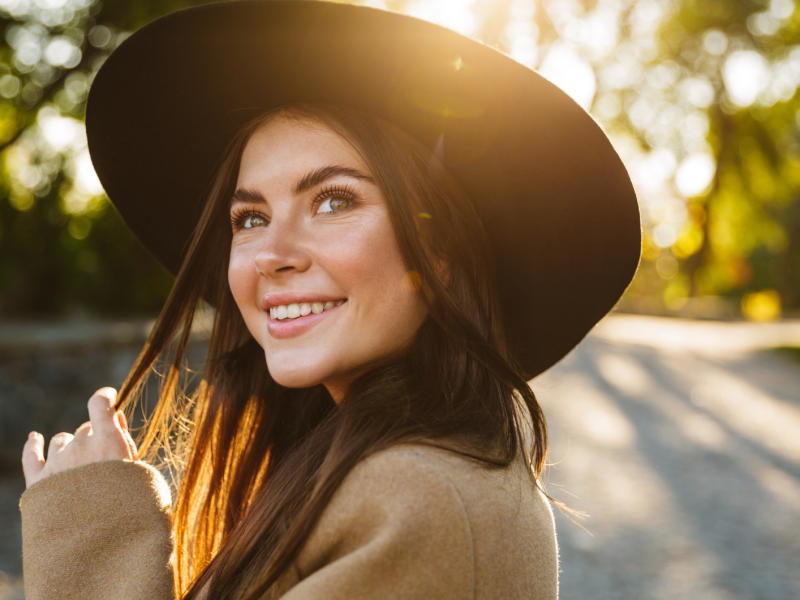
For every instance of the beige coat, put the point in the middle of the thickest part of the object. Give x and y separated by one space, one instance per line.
408 522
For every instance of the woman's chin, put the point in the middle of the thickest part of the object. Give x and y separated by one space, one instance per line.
297 375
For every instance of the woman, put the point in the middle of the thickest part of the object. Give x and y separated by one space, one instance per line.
364 428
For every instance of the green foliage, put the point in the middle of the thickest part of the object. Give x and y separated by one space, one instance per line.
55 264
743 235
63 249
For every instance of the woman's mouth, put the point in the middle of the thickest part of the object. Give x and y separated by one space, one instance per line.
293 313
288 312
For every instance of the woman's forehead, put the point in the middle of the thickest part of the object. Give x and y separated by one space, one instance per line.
280 145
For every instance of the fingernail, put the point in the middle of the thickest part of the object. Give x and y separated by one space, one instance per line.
32 435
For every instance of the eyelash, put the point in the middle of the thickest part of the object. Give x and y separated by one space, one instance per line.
331 191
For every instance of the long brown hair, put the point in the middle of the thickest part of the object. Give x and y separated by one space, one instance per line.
259 462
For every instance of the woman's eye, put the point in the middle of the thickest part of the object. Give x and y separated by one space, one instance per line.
248 220
254 221
334 204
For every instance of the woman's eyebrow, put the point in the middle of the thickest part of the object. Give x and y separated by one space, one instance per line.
317 176
308 181
247 195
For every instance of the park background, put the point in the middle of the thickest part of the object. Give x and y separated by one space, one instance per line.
676 424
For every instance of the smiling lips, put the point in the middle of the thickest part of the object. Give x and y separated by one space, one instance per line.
292 314
288 312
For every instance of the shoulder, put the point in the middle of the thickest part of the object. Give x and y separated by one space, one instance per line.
420 483
410 470
417 485
395 528
497 516
417 521
396 490
448 480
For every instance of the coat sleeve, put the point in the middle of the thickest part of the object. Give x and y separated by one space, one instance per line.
99 531
395 530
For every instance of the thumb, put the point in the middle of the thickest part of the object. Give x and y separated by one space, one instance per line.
33 458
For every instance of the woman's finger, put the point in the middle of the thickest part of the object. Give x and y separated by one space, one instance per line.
57 443
101 411
32 457
123 422
131 445
84 430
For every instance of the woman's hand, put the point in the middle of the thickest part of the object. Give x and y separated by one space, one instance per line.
104 437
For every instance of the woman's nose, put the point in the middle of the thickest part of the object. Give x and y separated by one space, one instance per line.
282 251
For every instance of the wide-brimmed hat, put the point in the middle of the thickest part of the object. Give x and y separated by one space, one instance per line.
553 195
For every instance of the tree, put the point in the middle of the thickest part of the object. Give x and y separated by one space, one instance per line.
63 247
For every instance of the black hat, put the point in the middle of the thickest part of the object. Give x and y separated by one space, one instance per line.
553 195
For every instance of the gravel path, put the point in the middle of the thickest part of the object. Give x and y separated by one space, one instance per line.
680 439
685 451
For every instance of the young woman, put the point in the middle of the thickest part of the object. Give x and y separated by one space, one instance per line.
393 244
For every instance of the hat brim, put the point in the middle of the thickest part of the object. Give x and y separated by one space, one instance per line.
553 195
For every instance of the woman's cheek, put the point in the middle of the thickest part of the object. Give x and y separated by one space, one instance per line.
243 281
368 256
235 274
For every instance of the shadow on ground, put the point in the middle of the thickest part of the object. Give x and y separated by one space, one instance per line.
689 465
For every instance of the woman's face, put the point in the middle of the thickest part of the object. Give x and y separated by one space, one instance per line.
315 268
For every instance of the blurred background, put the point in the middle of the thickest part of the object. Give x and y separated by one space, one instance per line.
676 424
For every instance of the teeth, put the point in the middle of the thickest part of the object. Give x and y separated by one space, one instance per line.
292 311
